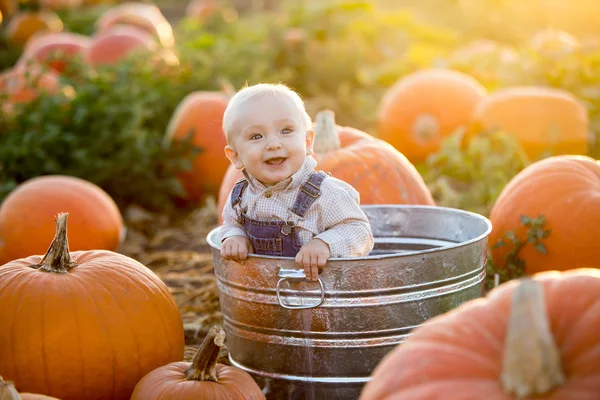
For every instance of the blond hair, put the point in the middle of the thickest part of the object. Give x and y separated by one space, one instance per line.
256 91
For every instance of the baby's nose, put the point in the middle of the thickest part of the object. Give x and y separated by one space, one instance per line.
273 144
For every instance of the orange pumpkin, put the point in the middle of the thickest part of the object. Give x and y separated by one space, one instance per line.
24 24
42 47
118 42
25 216
201 114
8 392
203 379
145 16
423 108
89 325
566 191
530 339
380 173
545 121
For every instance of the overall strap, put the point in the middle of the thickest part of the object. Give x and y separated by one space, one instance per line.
238 190
308 193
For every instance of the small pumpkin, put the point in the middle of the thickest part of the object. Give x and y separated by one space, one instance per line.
26 226
84 314
24 24
545 121
8 392
380 173
423 108
566 191
529 339
40 48
118 42
200 114
146 16
203 379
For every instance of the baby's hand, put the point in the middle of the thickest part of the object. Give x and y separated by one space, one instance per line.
235 248
311 256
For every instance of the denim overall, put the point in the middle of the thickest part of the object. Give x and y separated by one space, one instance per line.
278 238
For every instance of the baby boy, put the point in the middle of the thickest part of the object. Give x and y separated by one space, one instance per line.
283 207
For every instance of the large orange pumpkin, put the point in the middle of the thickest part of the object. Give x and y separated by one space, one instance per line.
380 173
84 325
423 108
25 24
531 339
202 379
146 16
42 47
26 225
201 114
118 42
545 121
566 191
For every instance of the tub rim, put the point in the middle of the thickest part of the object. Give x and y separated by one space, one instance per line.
469 214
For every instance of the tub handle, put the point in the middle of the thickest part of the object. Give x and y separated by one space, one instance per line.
297 275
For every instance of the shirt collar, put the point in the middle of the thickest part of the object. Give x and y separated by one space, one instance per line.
295 180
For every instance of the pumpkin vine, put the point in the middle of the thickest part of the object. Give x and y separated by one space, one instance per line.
515 265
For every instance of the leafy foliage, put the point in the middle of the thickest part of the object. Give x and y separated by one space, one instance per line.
110 133
515 266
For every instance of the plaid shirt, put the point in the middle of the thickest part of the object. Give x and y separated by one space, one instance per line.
335 217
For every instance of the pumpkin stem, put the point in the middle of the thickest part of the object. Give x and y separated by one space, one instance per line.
8 391
205 359
58 259
531 363
326 134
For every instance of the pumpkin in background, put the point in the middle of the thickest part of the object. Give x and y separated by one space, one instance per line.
145 16
25 24
201 115
42 47
118 42
380 173
202 379
84 324
423 108
26 225
566 191
542 119
530 339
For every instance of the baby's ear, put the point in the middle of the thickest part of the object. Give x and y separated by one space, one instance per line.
310 141
233 157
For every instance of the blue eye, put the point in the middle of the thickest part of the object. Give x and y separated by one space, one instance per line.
286 131
255 136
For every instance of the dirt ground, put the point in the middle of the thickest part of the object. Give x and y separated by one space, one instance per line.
175 249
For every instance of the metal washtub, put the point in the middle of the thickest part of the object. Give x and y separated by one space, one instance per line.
321 340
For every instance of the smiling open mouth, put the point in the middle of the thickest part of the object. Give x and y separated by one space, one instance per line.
276 161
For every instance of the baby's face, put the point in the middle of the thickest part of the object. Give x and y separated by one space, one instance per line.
269 138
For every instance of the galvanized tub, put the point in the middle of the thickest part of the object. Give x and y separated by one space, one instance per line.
322 340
